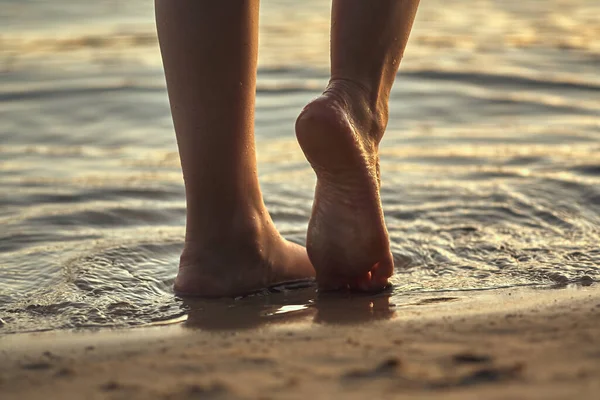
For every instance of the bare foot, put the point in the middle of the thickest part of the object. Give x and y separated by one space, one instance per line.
347 240
246 260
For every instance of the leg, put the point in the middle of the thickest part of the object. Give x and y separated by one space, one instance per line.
340 132
209 51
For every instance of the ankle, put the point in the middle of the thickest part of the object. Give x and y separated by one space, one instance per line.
368 108
241 232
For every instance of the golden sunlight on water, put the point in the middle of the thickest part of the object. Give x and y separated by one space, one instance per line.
466 35
490 161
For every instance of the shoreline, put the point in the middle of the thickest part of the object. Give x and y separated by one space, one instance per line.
498 344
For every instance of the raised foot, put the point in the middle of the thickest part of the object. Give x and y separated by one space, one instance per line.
347 240
240 264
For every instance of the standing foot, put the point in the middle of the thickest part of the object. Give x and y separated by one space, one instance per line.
252 256
347 240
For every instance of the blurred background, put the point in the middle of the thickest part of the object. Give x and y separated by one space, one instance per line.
491 166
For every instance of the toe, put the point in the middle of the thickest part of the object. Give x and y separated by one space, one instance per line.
381 272
362 283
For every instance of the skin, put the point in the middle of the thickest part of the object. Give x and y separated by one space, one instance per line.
209 51
340 133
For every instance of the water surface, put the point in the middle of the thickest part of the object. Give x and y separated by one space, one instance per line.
491 166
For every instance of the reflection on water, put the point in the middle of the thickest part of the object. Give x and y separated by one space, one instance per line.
491 175
251 312
289 306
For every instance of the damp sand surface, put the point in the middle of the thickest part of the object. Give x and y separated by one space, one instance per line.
496 345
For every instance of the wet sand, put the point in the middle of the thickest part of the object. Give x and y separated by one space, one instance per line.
513 343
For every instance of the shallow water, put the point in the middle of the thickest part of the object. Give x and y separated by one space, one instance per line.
491 173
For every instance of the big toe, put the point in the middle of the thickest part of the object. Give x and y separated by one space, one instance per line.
374 280
378 277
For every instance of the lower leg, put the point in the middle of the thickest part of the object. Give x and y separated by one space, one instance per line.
368 39
340 132
209 51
